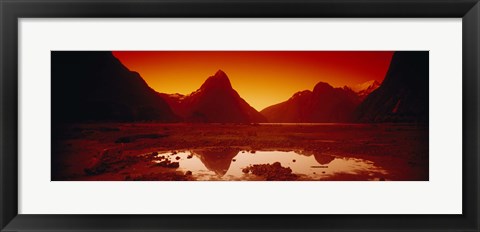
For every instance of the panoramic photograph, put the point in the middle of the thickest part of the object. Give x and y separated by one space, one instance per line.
240 116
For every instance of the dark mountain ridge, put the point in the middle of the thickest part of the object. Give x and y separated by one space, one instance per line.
403 95
365 89
214 101
96 86
324 104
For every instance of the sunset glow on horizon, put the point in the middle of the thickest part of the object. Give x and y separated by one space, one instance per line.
262 78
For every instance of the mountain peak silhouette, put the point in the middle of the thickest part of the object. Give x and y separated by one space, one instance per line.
324 104
215 101
220 73
322 87
219 80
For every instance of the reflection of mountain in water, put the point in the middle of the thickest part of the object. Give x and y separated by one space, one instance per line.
323 159
217 160
319 157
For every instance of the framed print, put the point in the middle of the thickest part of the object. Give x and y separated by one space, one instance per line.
267 115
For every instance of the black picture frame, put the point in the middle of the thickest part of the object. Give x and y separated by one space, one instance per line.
12 10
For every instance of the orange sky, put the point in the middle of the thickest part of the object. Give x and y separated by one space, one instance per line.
262 78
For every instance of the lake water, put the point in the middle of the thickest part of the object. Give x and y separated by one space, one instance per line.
227 164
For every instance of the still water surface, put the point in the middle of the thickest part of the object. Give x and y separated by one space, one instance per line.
228 164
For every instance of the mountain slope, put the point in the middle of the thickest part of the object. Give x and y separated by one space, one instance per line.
323 104
95 86
403 95
366 88
214 101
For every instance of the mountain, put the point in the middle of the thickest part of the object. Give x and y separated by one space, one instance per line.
324 104
403 95
366 88
96 86
215 101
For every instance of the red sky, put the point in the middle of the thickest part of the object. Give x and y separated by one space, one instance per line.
262 78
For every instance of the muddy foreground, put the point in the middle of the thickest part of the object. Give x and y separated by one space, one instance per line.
152 152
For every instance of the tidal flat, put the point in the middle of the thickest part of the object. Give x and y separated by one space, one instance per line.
239 152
